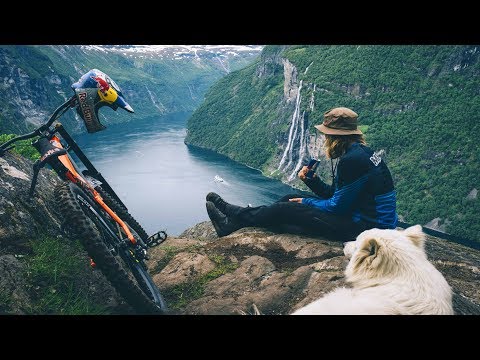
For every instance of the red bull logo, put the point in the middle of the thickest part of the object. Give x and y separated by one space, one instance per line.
101 83
87 112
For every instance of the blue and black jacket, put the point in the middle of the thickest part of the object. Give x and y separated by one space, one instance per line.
362 189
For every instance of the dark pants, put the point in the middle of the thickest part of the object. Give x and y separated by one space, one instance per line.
286 216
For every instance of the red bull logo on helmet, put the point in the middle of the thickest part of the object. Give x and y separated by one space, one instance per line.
101 83
86 109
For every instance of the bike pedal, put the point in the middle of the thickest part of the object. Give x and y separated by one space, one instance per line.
156 239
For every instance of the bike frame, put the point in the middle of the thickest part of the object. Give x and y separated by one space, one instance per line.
78 179
69 172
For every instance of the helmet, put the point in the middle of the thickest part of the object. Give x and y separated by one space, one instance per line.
94 90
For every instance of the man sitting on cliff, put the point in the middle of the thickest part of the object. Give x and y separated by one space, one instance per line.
362 195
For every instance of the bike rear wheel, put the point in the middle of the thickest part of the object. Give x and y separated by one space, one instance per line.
97 233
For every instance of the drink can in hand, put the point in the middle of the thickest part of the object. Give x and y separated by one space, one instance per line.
312 167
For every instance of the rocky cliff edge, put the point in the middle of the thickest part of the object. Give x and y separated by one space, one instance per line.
44 271
279 273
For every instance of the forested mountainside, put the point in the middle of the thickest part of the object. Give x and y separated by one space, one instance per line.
420 104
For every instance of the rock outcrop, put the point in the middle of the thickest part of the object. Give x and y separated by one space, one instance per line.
21 218
279 273
290 84
26 224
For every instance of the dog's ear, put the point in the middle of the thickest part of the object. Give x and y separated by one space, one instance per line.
416 235
367 262
367 253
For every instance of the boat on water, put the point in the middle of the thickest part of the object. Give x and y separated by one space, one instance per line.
218 179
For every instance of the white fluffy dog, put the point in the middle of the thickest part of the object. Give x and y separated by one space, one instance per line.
390 274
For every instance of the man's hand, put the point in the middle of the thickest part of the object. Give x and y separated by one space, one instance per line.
297 200
302 173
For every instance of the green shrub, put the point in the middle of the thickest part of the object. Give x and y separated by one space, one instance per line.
22 147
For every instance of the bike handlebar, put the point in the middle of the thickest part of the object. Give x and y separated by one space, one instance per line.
56 114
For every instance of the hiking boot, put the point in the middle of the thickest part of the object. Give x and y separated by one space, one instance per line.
222 205
223 224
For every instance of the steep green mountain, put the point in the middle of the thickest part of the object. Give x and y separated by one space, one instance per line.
420 104
156 80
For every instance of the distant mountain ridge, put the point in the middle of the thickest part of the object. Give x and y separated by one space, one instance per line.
178 51
156 80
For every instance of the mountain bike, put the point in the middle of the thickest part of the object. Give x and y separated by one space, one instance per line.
91 210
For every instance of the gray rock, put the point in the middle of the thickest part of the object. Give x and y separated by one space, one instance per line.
472 195
201 231
14 297
184 267
290 84
438 224
21 218
24 221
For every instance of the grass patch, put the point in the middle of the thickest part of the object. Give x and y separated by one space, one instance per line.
57 272
170 252
68 301
179 296
22 147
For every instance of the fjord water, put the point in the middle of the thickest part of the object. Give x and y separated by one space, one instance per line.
162 181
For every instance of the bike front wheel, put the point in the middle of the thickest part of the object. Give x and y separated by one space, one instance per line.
99 236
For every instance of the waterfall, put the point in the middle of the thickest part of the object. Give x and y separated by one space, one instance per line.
293 130
290 152
307 68
303 148
312 98
290 134
298 130
152 98
227 70
191 92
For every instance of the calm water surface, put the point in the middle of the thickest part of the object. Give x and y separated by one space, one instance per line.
163 182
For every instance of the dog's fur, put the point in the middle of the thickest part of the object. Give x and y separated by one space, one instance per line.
390 274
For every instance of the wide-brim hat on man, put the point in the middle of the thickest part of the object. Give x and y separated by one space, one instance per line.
339 121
